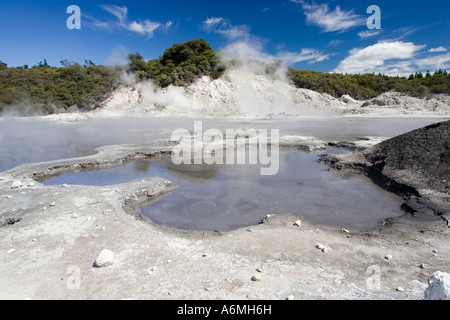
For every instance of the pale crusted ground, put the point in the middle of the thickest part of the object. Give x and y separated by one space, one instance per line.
251 95
54 249
49 254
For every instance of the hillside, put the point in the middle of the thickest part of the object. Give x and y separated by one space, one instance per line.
43 89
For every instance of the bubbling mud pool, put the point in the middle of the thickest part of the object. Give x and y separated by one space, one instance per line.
229 197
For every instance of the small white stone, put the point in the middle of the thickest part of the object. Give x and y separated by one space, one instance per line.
31 184
65 185
388 257
34 240
16 184
298 223
74 216
435 251
8 197
151 270
291 297
52 204
11 251
105 258
256 278
44 208
345 231
401 289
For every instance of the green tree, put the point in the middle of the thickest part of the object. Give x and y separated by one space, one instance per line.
180 65
137 62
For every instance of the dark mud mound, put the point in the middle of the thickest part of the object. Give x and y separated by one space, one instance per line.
415 165
424 152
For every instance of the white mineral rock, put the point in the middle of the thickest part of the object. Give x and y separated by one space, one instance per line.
105 258
438 287
256 278
16 184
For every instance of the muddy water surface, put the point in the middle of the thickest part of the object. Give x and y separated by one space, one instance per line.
227 197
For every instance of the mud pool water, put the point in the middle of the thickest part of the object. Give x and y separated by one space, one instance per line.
26 140
224 198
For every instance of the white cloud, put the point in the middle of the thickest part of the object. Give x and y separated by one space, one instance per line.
338 20
401 33
166 26
136 27
96 24
378 58
119 12
335 43
213 21
434 63
255 51
245 46
309 55
102 25
224 27
144 28
368 33
440 49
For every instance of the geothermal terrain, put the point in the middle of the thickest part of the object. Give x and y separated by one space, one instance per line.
79 241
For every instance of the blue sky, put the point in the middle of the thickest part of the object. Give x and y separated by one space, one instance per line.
321 35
